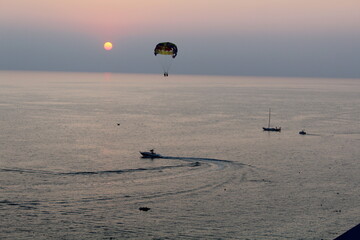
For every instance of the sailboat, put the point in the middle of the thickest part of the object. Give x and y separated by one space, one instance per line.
271 129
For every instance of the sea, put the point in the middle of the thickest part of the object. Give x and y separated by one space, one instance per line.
70 166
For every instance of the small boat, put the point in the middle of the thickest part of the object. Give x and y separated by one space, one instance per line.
144 209
271 129
302 132
150 154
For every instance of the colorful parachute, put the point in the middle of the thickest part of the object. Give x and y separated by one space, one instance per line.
163 51
166 48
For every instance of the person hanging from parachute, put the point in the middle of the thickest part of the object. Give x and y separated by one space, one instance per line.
165 50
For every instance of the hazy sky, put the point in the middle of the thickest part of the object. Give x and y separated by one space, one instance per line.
311 38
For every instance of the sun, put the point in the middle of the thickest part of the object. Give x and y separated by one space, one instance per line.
108 46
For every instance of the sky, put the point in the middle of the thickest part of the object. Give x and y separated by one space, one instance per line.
295 38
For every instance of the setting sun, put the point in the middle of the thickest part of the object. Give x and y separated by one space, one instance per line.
108 46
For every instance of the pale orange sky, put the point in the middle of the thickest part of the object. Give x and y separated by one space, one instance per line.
110 17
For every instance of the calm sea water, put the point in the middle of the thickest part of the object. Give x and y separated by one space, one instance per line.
69 171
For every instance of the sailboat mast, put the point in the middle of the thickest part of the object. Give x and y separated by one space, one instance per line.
269 117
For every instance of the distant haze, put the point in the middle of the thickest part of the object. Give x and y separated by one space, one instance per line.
299 38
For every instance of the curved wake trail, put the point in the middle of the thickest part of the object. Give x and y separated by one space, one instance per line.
126 170
198 159
194 162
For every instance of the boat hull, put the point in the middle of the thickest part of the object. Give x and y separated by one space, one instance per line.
272 129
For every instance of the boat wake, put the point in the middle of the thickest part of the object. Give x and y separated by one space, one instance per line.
120 171
197 159
219 162
191 162
172 178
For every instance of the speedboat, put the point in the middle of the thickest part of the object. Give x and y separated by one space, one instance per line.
302 132
150 154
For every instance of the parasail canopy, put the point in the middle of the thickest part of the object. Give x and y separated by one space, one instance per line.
166 48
